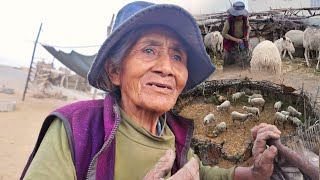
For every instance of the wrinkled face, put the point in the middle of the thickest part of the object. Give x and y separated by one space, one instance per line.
154 72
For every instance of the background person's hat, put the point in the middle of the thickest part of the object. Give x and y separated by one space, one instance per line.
238 9
140 13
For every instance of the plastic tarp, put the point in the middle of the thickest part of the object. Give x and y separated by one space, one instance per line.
78 63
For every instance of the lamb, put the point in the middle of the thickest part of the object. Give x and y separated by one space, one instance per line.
257 102
279 117
237 95
214 41
252 110
220 98
285 44
293 112
285 113
277 105
296 121
266 57
221 127
224 106
255 96
236 116
207 120
311 41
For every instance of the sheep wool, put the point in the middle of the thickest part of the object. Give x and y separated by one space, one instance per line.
311 41
266 57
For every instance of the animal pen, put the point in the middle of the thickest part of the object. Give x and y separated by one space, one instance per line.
234 147
270 25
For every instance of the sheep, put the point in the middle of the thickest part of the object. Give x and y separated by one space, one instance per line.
237 95
253 42
220 98
221 127
295 121
207 120
293 112
296 37
224 106
285 113
214 41
257 102
279 117
252 110
236 116
311 41
285 44
255 96
266 57
277 105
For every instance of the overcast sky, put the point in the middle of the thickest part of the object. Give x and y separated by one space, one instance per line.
67 23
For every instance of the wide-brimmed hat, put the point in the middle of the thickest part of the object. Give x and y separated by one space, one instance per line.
238 9
139 13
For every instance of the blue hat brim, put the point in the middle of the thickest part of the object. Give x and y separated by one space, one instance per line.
176 18
234 12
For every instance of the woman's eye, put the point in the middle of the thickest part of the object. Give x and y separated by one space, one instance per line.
177 57
148 51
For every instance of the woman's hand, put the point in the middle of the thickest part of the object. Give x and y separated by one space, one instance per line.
164 165
263 156
237 40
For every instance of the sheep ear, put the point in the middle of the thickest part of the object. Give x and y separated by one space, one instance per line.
284 38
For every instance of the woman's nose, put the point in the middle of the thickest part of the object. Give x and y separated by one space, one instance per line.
164 65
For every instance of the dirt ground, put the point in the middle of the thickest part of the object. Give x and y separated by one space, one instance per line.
20 128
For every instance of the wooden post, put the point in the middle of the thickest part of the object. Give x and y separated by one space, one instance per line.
34 50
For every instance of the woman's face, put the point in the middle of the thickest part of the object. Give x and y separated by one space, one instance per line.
154 72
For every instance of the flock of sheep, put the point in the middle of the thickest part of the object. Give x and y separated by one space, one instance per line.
266 55
255 102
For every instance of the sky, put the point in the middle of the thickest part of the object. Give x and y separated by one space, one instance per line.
67 23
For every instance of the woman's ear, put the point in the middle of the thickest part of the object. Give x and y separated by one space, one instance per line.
113 73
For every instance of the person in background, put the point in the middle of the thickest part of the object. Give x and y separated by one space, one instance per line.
154 53
235 34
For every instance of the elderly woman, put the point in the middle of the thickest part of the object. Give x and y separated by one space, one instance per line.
154 53
235 32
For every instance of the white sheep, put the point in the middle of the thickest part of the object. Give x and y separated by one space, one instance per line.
296 121
214 41
285 44
279 117
257 102
221 127
224 106
252 110
277 105
311 41
296 37
236 116
254 41
285 113
255 96
220 98
266 57
293 112
237 95
207 120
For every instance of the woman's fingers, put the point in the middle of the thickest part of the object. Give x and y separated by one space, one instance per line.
262 128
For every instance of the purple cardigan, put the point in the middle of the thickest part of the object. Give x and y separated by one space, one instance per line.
91 127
